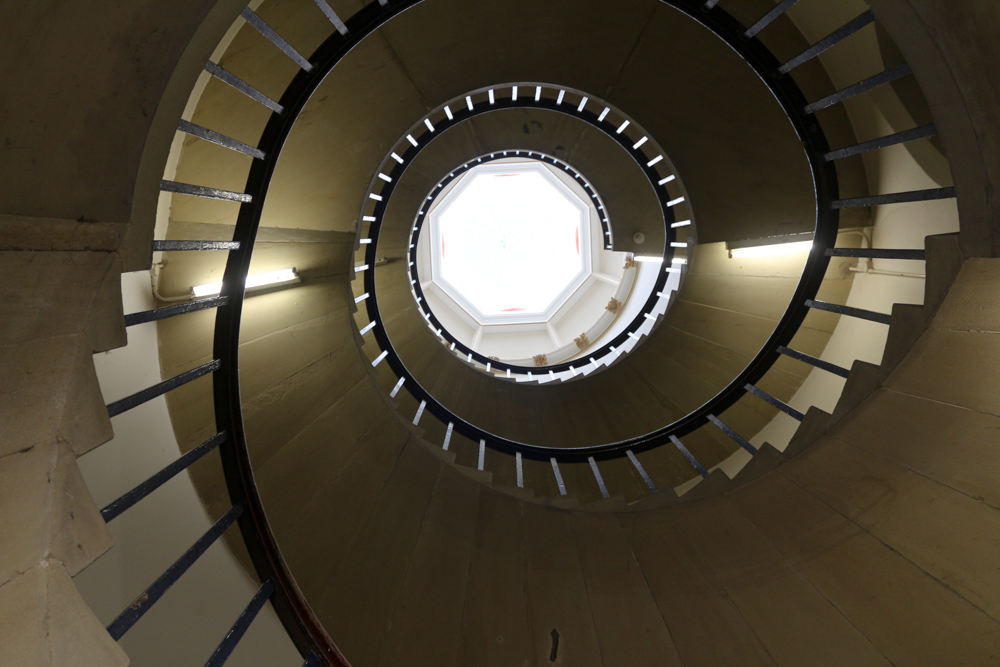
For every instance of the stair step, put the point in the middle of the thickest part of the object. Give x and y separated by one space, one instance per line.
765 460
716 482
812 428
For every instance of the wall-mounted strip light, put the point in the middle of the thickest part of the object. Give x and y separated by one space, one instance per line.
259 281
648 258
772 250
771 246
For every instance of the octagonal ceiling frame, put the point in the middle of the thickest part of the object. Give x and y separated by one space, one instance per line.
443 199
562 354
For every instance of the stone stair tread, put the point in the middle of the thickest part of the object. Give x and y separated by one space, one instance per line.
716 482
765 460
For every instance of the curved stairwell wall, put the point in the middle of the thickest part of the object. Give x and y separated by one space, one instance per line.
875 544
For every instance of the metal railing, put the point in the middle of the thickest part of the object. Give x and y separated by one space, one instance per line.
277 584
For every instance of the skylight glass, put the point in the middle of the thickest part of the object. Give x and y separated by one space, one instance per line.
511 240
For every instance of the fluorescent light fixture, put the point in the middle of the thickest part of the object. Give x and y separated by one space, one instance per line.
772 250
280 277
771 246
648 258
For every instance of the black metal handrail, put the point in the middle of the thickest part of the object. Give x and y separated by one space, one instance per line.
277 585
821 160
825 183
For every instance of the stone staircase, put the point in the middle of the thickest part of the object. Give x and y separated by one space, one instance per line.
59 309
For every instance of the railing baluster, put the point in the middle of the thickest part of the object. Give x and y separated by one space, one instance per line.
267 31
860 313
871 82
127 500
739 439
220 139
170 311
235 634
689 456
447 436
829 41
642 471
149 597
559 478
921 132
813 361
781 405
202 191
876 253
331 16
598 477
895 198
170 246
242 86
158 389
769 18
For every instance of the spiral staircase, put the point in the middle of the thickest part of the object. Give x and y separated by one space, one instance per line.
784 468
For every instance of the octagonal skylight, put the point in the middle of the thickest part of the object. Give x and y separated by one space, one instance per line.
513 257
512 242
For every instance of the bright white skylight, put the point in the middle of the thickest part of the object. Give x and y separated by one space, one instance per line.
513 240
